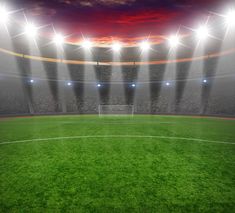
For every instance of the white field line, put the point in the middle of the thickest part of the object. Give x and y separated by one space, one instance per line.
115 136
114 123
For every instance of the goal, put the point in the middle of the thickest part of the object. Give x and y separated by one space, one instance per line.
116 110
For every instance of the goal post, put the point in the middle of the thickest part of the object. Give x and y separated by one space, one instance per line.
116 110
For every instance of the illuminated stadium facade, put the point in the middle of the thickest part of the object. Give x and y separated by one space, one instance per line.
183 75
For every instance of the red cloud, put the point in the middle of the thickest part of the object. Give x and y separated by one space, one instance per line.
123 25
129 28
150 16
108 20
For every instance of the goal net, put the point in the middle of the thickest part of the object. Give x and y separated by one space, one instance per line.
116 110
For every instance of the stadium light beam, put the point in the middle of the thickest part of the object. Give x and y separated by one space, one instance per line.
58 39
202 32
144 45
4 15
116 47
174 41
30 30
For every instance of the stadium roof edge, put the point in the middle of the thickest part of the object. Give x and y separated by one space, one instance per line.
113 63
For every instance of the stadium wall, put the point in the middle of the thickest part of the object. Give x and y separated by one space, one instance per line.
49 94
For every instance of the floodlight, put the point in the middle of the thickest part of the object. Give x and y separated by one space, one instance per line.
144 45
168 84
98 85
69 83
58 39
116 47
30 30
204 81
202 32
86 44
230 18
133 85
4 15
31 81
174 41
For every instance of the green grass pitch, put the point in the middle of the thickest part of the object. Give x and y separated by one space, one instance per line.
188 166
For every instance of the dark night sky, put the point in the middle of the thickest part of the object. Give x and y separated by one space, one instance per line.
126 20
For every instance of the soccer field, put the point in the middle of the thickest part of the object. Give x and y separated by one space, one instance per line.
117 164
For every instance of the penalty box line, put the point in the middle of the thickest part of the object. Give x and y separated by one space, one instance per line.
116 136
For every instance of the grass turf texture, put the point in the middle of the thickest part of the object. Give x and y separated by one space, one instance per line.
117 174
